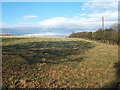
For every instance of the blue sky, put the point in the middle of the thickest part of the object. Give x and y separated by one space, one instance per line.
55 18
17 10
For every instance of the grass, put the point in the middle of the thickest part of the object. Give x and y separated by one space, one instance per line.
57 63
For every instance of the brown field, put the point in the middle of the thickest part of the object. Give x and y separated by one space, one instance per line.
55 62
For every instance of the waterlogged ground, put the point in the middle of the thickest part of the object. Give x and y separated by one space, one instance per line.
57 63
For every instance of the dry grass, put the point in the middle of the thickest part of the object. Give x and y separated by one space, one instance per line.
58 62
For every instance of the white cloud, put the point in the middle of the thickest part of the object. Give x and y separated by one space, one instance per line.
108 15
46 34
97 5
53 22
93 22
109 10
29 16
58 26
63 24
104 0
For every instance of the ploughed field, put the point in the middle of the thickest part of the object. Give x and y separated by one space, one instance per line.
58 63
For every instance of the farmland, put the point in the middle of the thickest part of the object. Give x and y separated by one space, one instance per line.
57 63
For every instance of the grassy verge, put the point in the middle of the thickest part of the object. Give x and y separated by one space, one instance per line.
57 62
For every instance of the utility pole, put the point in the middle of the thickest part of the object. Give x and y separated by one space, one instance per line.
102 23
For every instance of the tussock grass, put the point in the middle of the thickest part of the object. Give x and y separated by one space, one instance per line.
58 62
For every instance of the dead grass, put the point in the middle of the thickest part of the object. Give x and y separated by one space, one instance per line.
58 63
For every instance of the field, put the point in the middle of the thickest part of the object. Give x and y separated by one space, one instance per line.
58 63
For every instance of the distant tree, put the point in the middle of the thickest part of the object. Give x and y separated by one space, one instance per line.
110 35
115 26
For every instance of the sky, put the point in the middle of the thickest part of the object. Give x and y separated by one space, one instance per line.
57 19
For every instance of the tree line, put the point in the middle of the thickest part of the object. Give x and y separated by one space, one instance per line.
108 35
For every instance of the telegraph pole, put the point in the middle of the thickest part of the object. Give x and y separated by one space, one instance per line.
102 23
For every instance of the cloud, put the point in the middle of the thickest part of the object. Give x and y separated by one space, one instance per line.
58 26
62 26
42 34
30 16
103 0
108 15
92 22
97 5
108 9
47 34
